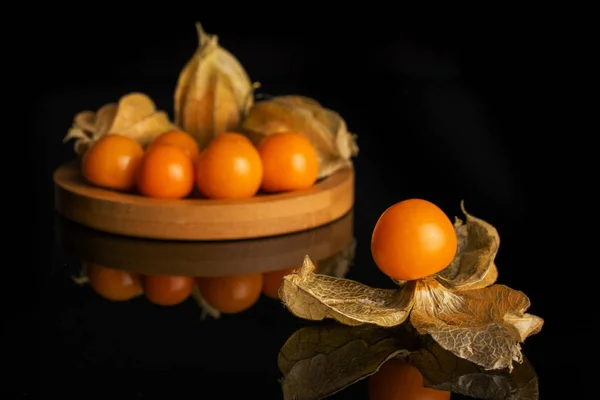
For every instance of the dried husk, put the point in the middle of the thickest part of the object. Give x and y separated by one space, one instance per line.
213 91
319 361
460 307
134 115
325 128
316 297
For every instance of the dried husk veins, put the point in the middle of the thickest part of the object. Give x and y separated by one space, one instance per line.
319 361
316 297
213 91
459 307
134 116
442 370
325 128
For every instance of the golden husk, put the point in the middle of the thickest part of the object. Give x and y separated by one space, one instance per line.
318 361
213 91
135 116
460 307
325 128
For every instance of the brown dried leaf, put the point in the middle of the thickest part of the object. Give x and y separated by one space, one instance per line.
485 326
132 108
442 370
473 266
319 361
325 128
316 297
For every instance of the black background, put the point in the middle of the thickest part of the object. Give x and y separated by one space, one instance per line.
438 112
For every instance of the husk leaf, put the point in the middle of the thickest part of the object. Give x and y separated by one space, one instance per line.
146 130
134 116
442 370
325 128
473 266
132 108
316 297
213 91
485 326
319 361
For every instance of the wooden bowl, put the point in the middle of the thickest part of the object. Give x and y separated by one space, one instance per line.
202 219
207 258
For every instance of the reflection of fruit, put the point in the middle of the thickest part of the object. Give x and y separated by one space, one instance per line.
289 161
166 172
413 239
112 162
398 380
229 168
273 280
179 139
231 294
168 290
114 284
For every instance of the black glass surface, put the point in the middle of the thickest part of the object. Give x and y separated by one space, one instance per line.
432 115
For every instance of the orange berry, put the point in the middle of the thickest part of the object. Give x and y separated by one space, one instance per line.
396 379
229 168
231 294
180 139
166 172
413 239
114 284
112 162
290 162
168 290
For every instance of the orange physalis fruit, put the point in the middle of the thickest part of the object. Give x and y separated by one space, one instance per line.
413 239
166 172
290 162
229 168
112 162
180 139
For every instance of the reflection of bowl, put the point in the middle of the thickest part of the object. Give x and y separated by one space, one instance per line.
202 219
152 257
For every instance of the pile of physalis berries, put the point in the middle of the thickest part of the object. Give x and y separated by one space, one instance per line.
222 142
446 275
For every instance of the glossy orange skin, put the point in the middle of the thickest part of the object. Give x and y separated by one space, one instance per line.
114 284
229 168
290 162
231 294
413 239
165 172
398 380
180 139
166 290
272 282
112 162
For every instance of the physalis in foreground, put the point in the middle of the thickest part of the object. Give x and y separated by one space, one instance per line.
446 286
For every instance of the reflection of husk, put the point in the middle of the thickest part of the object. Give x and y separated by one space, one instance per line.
460 307
213 91
134 116
318 361
325 128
